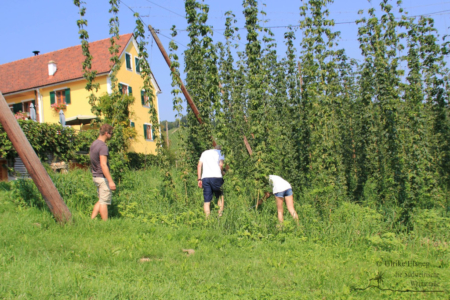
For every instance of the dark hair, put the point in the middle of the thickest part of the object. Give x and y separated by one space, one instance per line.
106 128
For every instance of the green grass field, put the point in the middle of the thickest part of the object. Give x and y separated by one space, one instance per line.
242 255
138 253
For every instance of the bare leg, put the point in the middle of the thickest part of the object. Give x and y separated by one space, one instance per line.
290 207
104 212
206 208
96 210
280 208
220 203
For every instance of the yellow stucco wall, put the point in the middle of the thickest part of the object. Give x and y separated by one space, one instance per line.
80 106
20 97
17 98
140 113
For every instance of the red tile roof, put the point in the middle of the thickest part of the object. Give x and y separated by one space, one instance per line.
32 72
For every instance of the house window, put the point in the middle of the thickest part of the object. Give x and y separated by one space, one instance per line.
15 108
26 106
128 61
137 64
148 132
144 99
61 96
125 89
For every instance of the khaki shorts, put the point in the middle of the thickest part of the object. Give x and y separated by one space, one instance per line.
103 190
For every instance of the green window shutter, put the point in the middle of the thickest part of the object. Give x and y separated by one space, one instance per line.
120 88
153 133
67 96
17 107
128 59
130 90
142 97
52 97
132 125
136 62
145 131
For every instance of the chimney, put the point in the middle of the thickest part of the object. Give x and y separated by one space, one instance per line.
36 53
51 68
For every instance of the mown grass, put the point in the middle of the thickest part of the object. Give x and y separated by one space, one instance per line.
241 255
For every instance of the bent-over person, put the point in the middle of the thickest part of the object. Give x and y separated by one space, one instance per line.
282 190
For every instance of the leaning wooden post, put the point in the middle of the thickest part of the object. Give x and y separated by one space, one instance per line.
183 88
180 82
167 136
33 164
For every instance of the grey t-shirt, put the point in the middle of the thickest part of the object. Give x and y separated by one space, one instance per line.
98 148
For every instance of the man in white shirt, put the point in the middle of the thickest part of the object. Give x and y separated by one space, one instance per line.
211 161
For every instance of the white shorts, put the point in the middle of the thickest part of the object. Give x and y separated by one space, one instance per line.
103 190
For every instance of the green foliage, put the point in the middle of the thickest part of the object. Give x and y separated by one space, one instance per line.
115 111
334 129
224 266
88 74
45 139
244 247
385 242
138 161
201 79
431 222
146 74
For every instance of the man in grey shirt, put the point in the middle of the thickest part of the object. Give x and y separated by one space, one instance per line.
100 171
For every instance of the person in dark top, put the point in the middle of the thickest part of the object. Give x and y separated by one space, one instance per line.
100 171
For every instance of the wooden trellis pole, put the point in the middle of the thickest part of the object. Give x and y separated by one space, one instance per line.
180 82
34 166
167 136
183 88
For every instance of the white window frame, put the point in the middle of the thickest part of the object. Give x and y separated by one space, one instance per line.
135 67
126 85
59 89
151 132
131 61
23 108
146 106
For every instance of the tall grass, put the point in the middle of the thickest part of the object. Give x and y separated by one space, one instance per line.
40 259
142 196
240 255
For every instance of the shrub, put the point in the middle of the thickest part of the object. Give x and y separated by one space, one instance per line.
139 161
44 138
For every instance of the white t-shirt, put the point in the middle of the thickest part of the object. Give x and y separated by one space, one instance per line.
279 184
210 160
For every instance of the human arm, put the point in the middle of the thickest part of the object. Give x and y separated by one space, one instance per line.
199 174
222 171
106 173
266 196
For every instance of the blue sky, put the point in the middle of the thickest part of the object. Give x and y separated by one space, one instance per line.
49 25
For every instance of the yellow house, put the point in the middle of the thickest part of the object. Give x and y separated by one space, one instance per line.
54 81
